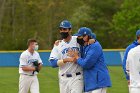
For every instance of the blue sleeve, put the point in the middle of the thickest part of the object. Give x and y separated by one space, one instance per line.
90 59
124 61
54 63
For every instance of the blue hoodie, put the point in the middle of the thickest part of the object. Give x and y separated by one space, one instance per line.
134 44
95 71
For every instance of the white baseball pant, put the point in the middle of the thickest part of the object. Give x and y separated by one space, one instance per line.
129 88
27 83
72 84
134 90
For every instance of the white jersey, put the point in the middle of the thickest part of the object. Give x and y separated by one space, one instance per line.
133 66
60 52
27 59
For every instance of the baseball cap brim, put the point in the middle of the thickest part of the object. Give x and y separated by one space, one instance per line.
77 34
64 27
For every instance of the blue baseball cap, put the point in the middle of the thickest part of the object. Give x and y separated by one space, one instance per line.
93 35
138 33
65 24
84 31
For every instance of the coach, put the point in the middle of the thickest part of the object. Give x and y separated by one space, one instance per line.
96 75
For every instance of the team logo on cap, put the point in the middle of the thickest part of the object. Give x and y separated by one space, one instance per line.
85 32
62 23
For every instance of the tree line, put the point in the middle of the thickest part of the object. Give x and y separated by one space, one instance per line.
113 21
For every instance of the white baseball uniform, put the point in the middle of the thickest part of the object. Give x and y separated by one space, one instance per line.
133 69
28 80
69 79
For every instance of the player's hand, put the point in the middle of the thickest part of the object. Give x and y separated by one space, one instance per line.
73 53
57 42
36 68
72 59
128 81
40 66
91 41
70 53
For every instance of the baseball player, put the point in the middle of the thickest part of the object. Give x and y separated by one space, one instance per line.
70 74
30 65
133 69
96 75
134 44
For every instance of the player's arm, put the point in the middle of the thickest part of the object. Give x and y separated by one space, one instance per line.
57 42
24 63
124 62
55 58
27 68
127 65
61 62
91 41
129 59
90 58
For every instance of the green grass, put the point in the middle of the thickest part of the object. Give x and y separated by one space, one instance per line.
119 83
49 81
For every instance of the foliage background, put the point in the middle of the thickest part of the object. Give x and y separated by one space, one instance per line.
115 22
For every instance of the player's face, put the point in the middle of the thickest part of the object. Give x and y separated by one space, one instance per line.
33 45
86 38
65 30
80 40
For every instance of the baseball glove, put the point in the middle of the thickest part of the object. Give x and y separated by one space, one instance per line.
36 69
35 63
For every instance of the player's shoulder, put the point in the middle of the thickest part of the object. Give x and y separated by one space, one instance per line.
24 53
62 43
134 50
96 43
37 53
74 37
96 47
132 45
57 47
129 47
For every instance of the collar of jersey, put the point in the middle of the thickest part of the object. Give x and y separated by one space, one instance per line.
68 41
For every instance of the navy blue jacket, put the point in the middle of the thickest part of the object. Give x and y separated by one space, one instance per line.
134 44
95 71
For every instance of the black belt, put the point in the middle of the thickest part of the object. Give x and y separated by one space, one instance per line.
70 75
27 75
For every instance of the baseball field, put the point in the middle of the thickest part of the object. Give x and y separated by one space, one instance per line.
49 81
